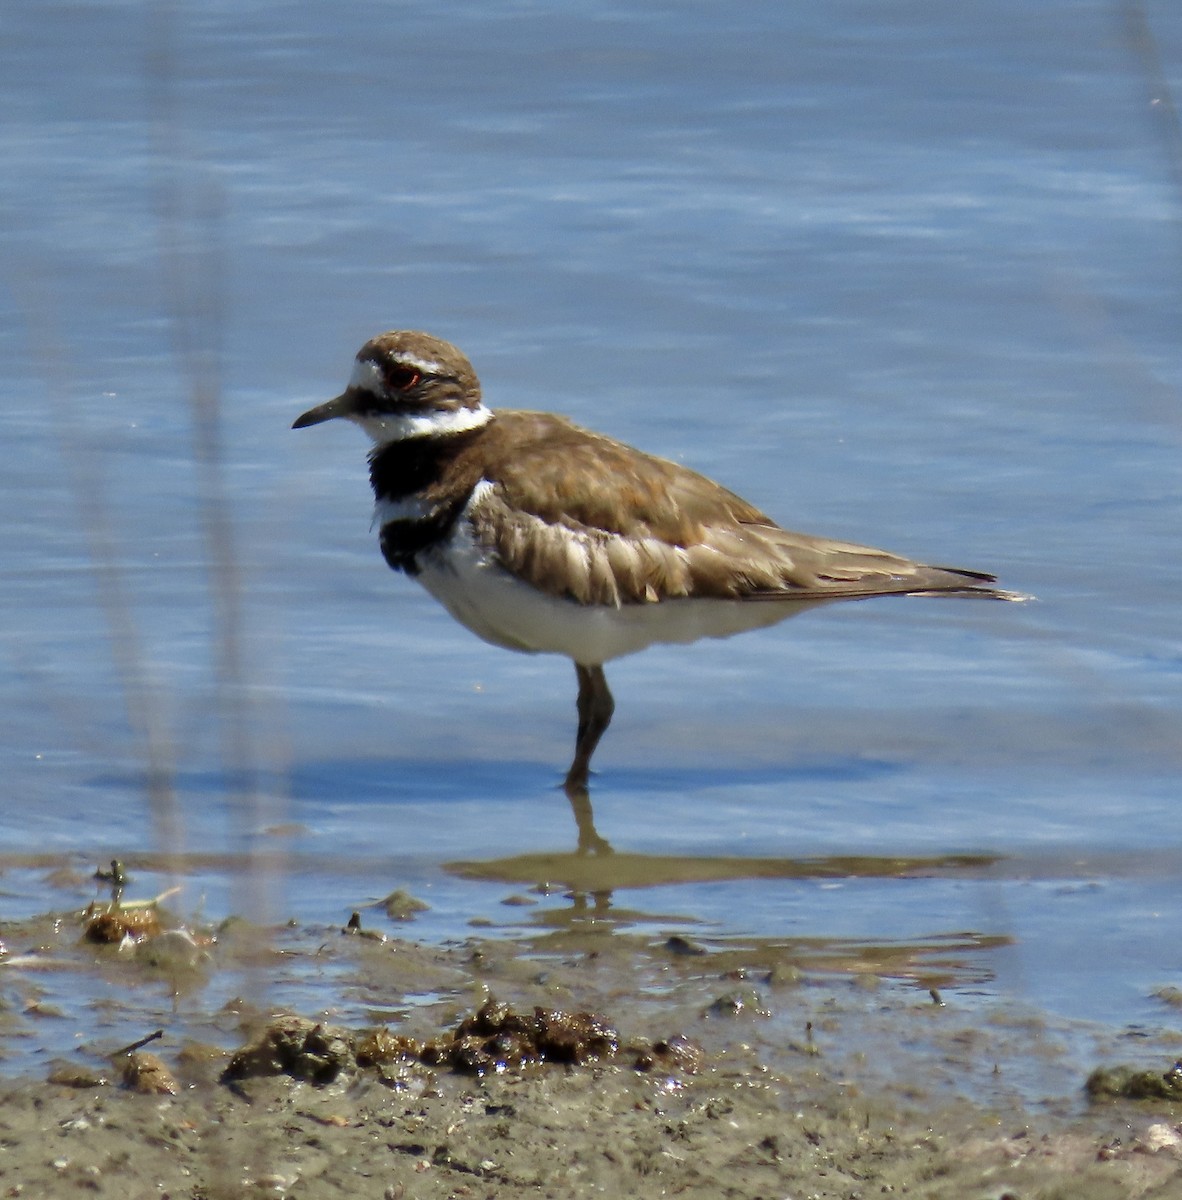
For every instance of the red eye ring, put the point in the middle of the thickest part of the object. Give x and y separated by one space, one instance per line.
402 378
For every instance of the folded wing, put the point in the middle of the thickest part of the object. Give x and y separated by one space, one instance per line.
657 531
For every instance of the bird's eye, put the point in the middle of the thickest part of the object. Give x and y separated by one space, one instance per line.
401 378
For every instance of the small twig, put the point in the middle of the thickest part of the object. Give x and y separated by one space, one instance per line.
1161 100
152 1037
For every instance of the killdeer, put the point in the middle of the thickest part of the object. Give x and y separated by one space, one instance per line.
544 537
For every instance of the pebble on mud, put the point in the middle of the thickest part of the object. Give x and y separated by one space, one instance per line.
147 1074
402 906
733 1004
117 924
676 1053
71 1075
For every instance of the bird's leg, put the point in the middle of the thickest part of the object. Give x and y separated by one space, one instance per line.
595 707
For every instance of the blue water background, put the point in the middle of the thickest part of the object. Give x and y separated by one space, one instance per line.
906 274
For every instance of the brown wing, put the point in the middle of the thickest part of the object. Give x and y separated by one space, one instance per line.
647 529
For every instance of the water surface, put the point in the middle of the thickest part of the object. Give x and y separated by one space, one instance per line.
906 275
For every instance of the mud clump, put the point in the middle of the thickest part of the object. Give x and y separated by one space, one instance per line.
494 1040
295 1046
1132 1083
497 1039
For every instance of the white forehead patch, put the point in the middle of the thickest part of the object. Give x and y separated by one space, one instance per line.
366 375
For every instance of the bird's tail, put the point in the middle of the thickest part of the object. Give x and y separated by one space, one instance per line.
957 581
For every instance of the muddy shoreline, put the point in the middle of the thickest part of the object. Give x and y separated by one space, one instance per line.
735 1129
798 1086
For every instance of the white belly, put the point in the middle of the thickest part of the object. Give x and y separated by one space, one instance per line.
500 609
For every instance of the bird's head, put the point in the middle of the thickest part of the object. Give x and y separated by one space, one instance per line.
406 384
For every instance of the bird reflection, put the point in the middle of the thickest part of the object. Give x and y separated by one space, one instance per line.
594 867
591 918
579 795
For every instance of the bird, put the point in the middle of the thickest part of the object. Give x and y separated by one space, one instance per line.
541 536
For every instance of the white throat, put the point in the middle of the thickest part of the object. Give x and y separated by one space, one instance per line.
384 428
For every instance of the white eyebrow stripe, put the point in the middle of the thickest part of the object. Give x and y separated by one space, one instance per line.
428 366
367 375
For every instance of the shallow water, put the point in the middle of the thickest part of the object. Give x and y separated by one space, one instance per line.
905 275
